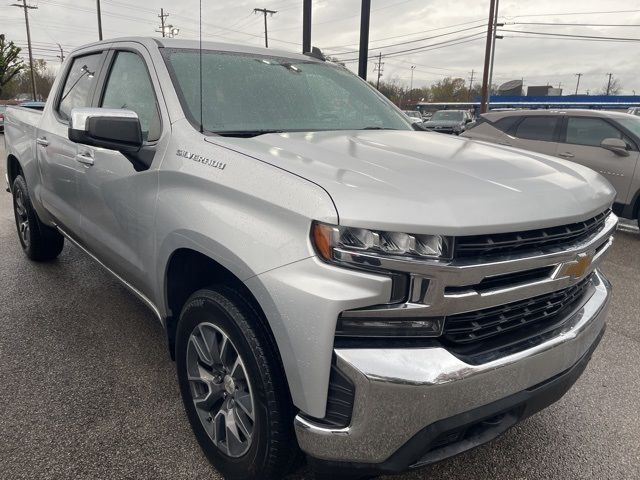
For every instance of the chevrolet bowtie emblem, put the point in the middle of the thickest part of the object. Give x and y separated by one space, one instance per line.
576 268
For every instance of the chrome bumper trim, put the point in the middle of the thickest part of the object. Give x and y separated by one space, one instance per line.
401 391
429 279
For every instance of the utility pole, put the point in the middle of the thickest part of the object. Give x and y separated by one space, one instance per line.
365 15
471 84
578 82
26 9
493 50
264 12
609 83
306 26
413 67
487 58
99 20
162 18
61 56
379 68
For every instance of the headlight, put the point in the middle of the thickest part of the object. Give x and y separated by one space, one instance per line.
365 248
329 240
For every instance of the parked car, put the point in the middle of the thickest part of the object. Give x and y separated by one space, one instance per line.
608 142
449 121
328 277
414 115
3 109
634 111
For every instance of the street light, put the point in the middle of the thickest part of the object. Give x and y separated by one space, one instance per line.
171 31
411 84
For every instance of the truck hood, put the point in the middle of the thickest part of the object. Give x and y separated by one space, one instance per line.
422 182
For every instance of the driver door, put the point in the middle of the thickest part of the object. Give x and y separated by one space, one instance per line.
118 195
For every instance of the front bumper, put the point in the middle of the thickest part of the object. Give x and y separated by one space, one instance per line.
400 392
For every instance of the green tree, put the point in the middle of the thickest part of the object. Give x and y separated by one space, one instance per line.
21 83
10 63
450 90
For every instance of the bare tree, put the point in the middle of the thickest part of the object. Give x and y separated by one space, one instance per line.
614 88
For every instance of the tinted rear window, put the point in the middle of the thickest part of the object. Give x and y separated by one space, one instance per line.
537 128
505 124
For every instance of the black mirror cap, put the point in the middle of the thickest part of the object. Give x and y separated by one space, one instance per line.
114 133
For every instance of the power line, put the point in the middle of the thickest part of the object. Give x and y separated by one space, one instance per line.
406 34
426 48
551 24
474 36
550 34
417 40
570 13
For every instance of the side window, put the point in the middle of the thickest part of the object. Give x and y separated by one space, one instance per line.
78 87
130 87
506 123
590 131
537 128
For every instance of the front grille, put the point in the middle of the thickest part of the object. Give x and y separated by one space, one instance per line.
529 240
477 334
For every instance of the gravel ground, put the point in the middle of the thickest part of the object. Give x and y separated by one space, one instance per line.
87 389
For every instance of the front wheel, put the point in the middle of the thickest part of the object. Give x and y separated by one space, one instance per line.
233 387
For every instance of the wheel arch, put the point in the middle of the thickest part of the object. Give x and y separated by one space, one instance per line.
188 270
13 168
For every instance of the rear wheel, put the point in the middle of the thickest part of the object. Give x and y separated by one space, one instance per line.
233 387
39 242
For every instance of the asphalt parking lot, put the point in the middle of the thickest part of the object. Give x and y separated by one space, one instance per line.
87 389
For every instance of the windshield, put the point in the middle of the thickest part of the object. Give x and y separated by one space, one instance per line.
631 123
448 115
247 92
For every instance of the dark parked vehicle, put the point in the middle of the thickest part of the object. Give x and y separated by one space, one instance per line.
449 121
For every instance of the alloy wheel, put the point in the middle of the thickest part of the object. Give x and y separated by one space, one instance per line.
220 389
22 217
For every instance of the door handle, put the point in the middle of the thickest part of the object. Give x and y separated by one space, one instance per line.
566 155
42 141
85 158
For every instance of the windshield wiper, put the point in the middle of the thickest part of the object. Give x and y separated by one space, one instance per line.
379 128
246 133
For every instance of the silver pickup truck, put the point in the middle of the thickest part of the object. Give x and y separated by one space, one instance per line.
331 281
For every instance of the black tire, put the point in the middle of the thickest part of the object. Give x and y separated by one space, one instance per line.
272 449
39 242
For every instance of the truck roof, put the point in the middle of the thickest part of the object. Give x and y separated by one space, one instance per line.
160 42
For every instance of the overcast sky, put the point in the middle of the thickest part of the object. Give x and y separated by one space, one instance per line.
540 61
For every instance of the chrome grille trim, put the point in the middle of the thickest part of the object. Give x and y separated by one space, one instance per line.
433 301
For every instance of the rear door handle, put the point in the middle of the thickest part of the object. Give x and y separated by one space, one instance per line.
566 155
42 141
85 158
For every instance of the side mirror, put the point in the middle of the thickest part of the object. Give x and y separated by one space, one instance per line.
110 128
616 145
